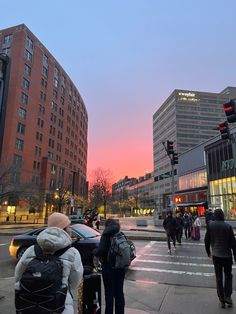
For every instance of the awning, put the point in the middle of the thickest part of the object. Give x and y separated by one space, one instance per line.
191 204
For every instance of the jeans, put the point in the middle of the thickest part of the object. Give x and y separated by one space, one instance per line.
169 237
224 289
113 280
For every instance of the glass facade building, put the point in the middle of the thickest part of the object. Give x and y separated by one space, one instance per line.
221 170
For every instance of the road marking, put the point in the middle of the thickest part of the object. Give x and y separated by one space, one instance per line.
177 247
177 256
183 243
7 278
177 272
2 244
172 263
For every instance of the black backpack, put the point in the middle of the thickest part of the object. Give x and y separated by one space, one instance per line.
121 252
41 290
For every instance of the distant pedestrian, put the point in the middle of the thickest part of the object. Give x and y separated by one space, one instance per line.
209 216
220 242
179 228
97 222
196 235
187 225
113 279
170 226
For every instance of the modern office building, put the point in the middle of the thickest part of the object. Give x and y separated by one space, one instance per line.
187 118
44 121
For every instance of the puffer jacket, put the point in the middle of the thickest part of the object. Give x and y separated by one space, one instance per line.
220 237
51 240
105 243
170 225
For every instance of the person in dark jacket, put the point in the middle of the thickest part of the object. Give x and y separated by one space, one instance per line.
113 279
219 244
187 225
180 226
209 216
170 226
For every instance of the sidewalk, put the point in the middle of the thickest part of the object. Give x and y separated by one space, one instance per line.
146 298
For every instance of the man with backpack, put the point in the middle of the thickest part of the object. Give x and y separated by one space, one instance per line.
115 253
49 273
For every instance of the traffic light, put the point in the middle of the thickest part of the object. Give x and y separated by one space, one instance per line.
175 159
224 130
170 147
230 110
178 199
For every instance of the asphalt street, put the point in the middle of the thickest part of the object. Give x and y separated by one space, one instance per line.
7 263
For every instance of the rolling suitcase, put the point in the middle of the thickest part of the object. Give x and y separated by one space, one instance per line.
90 293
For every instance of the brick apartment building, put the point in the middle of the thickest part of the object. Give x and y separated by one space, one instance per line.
43 121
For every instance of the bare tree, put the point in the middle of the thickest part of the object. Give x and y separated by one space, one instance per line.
100 190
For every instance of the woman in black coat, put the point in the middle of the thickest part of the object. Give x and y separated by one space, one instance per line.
113 279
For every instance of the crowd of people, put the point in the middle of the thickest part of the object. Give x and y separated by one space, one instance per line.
175 226
64 272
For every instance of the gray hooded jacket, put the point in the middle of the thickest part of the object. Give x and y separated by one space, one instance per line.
51 240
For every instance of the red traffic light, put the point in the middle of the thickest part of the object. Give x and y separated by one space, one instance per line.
175 159
170 147
230 110
224 130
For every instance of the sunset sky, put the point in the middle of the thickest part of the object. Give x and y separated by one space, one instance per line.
126 57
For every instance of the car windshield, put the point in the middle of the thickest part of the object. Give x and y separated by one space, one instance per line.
85 231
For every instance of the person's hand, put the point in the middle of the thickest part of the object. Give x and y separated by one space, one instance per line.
209 255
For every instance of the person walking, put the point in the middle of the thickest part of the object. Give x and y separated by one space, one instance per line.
187 225
113 279
209 216
180 226
220 242
196 235
51 240
97 222
170 226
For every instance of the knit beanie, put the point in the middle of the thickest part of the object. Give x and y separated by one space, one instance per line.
58 220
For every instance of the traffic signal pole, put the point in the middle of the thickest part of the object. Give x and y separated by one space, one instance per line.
172 187
169 148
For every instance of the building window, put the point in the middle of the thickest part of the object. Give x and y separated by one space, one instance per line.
50 155
20 128
37 151
45 60
22 113
17 160
6 51
7 39
56 72
52 183
29 43
27 70
53 169
55 82
45 72
24 98
40 123
28 56
41 109
19 144
26 83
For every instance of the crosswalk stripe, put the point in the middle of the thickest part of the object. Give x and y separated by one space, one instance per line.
183 243
3 244
178 272
173 263
176 256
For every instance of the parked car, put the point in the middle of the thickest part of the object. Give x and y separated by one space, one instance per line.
79 219
85 240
